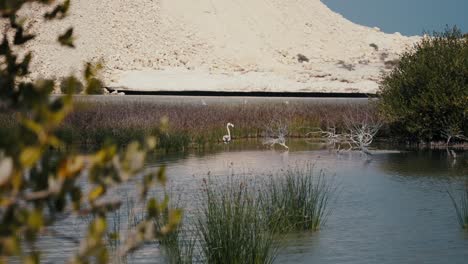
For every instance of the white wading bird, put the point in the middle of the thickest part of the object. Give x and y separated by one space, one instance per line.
227 138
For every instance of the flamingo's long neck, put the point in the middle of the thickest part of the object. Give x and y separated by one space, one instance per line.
229 132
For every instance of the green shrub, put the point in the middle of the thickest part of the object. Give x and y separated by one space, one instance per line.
426 96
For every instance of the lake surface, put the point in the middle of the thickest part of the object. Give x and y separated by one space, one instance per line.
393 208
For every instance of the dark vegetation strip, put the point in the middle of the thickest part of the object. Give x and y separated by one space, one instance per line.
247 94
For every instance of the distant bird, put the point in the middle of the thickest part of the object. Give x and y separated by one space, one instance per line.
227 138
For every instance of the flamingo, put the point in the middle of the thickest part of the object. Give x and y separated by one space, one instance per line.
227 138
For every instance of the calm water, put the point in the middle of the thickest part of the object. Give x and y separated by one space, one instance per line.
391 209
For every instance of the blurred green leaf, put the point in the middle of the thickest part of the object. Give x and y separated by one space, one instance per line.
32 258
95 193
10 245
94 86
37 182
161 176
151 142
30 155
71 85
35 220
152 208
60 11
98 226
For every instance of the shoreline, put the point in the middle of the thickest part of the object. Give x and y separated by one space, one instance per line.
201 93
197 122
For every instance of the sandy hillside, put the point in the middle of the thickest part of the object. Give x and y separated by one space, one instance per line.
219 45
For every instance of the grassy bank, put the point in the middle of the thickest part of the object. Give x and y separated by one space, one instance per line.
198 125
194 125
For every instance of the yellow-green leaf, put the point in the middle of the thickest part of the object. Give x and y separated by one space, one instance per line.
162 175
10 245
38 129
35 220
98 226
175 216
104 155
71 166
153 208
54 141
151 142
30 155
96 193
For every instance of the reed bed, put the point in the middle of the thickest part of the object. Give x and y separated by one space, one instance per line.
195 124
191 125
237 218
297 199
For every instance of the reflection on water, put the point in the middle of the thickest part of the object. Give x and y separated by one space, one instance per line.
391 209
435 163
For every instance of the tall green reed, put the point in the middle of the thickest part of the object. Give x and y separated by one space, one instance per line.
297 199
231 226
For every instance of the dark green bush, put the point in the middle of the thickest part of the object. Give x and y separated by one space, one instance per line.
425 97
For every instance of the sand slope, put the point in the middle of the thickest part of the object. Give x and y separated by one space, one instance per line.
227 45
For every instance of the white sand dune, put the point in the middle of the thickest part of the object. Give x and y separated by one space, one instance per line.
219 45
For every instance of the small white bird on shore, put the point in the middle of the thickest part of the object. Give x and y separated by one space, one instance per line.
227 138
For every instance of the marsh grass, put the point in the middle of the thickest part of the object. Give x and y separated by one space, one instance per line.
231 226
236 218
461 207
190 125
175 141
297 199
